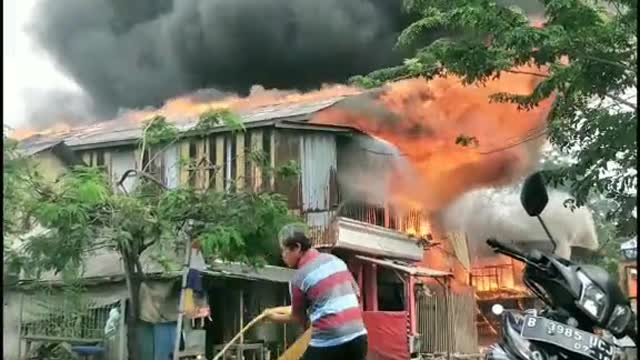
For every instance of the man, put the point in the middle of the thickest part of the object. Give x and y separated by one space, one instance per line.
324 293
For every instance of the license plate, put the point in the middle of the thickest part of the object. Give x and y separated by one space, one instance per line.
567 337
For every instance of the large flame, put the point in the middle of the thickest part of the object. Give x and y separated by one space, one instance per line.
454 136
190 106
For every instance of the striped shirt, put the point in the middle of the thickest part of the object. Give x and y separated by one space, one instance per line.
324 292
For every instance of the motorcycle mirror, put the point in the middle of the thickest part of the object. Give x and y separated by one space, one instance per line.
534 197
497 309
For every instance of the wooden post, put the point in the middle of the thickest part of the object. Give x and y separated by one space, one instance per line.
122 348
371 288
20 327
285 325
241 315
239 351
185 272
411 303
447 300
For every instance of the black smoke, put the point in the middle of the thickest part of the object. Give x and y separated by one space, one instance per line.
138 53
48 107
135 53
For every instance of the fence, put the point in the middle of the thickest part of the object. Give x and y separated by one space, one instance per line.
447 323
55 318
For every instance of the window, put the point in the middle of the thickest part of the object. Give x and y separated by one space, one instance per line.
223 161
98 159
391 294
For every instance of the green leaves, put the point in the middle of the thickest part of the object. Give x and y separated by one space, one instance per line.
594 121
215 117
159 131
82 213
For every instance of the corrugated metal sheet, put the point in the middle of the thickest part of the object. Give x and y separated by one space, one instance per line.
318 163
35 146
286 147
125 129
122 161
171 162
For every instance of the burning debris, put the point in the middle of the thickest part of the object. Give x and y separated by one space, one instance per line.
424 120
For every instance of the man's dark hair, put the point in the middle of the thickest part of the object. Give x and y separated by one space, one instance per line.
293 234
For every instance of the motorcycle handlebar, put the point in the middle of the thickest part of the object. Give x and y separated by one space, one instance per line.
508 250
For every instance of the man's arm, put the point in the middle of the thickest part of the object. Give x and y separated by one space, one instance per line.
289 314
280 314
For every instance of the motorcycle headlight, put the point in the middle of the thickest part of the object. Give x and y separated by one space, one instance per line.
619 320
592 300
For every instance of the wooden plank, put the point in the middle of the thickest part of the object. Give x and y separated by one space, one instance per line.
201 159
220 170
94 158
86 157
184 162
272 158
63 339
207 163
256 146
286 149
240 161
107 162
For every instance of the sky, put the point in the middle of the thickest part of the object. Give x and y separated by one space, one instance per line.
25 66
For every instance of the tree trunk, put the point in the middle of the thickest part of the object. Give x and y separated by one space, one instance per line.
134 281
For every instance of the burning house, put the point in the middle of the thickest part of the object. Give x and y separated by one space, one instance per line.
373 189
406 295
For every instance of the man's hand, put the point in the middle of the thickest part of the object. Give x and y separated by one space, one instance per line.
280 314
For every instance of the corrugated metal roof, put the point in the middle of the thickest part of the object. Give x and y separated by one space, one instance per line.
406 268
240 271
126 130
37 146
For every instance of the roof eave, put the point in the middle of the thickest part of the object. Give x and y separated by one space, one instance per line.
291 122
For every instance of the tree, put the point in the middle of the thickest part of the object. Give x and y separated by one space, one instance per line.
593 120
83 212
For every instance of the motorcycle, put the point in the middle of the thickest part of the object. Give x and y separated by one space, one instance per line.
579 300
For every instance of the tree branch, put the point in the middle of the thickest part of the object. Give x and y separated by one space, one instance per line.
147 245
623 101
612 63
526 73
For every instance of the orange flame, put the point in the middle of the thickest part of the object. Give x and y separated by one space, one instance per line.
427 121
189 106
21 134
498 275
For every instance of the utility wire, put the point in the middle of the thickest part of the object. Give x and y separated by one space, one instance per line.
532 135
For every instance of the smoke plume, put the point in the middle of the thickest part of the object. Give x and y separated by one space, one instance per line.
50 107
140 53
497 213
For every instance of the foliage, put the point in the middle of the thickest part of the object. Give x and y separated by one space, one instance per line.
83 212
159 131
86 214
592 119
18 176
216 117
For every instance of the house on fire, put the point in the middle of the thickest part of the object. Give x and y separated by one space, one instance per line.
415 292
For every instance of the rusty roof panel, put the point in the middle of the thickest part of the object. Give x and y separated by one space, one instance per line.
121 130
